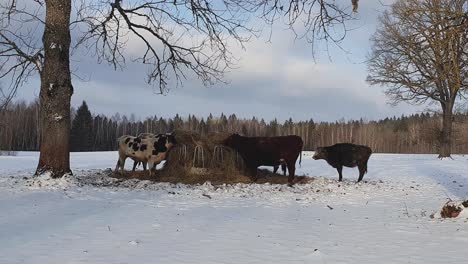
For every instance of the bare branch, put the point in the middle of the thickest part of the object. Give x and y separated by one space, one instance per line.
418 52
184 36
317 19
21 53
176 36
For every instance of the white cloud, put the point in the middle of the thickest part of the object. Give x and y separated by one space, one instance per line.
273 79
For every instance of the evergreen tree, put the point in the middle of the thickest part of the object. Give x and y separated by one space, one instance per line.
81 136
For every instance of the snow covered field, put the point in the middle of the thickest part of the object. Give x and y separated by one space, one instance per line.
89 218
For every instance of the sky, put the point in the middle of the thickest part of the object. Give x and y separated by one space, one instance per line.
272 79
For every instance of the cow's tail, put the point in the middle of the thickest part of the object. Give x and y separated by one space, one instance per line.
300 159
368 156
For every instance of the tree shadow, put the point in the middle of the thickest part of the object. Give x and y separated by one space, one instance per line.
454 182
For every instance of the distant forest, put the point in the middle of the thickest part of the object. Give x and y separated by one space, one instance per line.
418 133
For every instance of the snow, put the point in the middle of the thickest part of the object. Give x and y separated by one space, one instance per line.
91 218
57 117
55 45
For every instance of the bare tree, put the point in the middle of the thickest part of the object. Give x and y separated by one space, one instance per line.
420 54
178 37
5 99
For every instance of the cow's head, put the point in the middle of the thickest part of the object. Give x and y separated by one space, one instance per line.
232 141
170 140
163 142
320 153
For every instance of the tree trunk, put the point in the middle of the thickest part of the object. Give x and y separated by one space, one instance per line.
56 91
445 140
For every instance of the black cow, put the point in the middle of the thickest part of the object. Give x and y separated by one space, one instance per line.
345 154
267 151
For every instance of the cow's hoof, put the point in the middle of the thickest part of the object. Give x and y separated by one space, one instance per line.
291 185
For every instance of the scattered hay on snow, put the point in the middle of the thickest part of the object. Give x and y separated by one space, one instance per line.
452 209
268 190
46 181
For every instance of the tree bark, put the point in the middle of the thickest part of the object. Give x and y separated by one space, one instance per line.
445 140
56 91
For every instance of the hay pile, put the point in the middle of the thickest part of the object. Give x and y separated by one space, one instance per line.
197 159
452 209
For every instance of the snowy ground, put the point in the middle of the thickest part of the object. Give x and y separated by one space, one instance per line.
89 218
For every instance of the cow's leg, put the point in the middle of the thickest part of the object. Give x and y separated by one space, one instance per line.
117 166
135 164
254 174
283 168
340 172
154 166
144 165
150 167
120 162
122 165
275 169
252 171
362 170
292 170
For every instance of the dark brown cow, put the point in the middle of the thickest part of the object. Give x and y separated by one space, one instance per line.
345 154
267 151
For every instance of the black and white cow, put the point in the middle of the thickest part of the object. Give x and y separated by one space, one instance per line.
151 150
144 136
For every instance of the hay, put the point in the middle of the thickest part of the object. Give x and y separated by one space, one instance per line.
450 211
465 204
198 159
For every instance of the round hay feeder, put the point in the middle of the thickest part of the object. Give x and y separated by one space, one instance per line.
197 159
